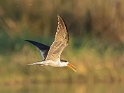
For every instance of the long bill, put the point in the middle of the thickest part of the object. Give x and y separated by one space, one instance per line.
71 67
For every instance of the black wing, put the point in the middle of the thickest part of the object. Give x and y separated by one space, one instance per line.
43 48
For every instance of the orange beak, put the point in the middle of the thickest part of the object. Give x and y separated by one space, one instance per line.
71 67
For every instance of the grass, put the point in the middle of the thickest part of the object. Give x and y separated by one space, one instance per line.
99 57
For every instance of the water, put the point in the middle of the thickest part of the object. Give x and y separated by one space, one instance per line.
64 88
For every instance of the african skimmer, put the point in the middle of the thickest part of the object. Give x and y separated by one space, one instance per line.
51 54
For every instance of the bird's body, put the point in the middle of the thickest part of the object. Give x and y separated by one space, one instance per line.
58 63
51 54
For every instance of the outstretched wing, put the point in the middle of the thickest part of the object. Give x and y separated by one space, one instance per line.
43 48
60 42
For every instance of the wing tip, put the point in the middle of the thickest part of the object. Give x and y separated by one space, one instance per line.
26 40
58 15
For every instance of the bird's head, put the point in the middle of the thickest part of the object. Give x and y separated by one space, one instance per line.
69 65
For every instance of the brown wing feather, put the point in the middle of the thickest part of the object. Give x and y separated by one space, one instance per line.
60 42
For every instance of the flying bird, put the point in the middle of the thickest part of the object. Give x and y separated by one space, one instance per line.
51 54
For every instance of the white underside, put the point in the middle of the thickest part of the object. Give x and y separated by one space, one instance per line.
51 63
58 63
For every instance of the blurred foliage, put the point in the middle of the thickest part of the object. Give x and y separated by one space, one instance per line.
102 18
96 43
64 88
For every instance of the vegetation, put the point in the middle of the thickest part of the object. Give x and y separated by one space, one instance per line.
96 44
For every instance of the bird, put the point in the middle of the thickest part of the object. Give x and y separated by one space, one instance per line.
51 54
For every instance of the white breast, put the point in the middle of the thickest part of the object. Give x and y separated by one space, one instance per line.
52 63
58 63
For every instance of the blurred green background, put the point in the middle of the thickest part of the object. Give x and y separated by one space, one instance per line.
96 45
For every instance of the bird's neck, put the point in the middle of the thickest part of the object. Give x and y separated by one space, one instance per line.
63 63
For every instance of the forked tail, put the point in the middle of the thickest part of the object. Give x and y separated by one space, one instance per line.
36 63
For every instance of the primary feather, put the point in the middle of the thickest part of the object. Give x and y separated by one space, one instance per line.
60 42
43 48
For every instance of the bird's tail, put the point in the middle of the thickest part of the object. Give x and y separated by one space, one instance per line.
36 63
